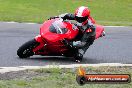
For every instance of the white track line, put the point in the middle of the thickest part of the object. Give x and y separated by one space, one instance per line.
12 22
9 69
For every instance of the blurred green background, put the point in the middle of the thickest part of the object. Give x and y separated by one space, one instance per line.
105 12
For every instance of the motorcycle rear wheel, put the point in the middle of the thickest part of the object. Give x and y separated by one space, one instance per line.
26 50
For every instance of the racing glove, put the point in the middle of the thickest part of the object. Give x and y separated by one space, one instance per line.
78 44
53 17
67 16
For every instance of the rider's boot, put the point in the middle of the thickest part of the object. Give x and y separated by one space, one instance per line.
79 55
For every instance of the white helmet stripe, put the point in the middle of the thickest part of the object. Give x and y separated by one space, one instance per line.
80 11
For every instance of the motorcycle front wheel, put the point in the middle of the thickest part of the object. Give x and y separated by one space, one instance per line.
26 50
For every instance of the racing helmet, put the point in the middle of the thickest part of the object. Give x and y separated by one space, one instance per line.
81 14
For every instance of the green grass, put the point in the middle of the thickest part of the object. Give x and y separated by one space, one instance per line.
106 12
64 78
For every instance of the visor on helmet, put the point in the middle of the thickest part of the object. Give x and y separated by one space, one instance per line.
81 19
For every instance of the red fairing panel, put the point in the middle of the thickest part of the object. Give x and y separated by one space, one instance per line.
53 40
41 43
53 37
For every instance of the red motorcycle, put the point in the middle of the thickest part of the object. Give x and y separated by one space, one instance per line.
50 40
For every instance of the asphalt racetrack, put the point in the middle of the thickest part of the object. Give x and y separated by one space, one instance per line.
115 47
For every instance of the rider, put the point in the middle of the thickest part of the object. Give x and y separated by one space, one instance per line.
86 34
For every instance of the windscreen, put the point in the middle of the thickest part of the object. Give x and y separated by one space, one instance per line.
58 27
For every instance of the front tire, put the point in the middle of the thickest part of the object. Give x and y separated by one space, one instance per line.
26 50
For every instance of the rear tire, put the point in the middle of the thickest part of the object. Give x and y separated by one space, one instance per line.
26 50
